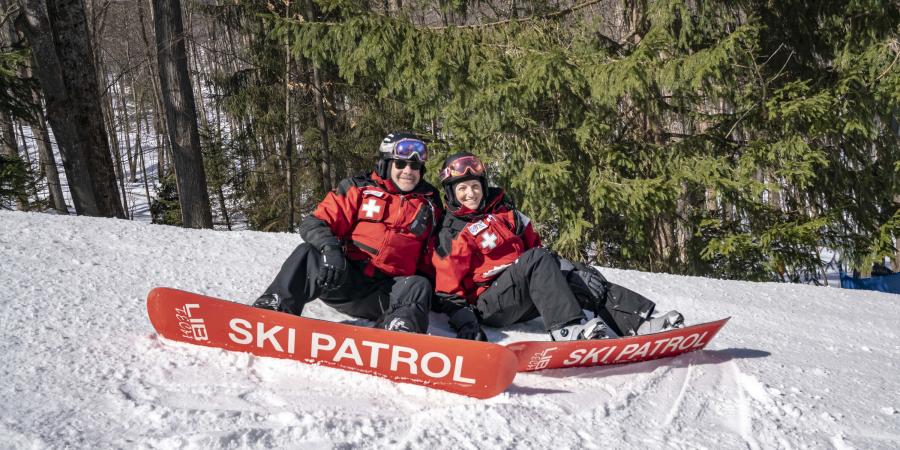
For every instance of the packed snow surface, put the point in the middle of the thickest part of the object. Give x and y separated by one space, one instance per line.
796 367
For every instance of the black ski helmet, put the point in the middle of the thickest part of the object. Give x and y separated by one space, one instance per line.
450 178
387 151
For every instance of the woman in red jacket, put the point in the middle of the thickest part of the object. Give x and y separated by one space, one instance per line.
491 269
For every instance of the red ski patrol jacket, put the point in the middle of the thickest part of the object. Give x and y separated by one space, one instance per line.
377 223
473 248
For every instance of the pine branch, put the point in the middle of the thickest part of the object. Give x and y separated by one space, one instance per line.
9 14
888 69
549 15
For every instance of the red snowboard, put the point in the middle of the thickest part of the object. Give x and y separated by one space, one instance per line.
538 355
476 369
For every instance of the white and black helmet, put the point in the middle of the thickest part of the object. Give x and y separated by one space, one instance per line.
400 145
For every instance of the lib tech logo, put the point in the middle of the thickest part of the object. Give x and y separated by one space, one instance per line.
192 327
541 360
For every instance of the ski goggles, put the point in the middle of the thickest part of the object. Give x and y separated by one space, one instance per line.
460 166
409 149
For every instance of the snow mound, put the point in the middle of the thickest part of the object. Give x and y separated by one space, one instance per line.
796 367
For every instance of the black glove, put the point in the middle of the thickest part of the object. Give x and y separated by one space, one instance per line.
465 322
593 280
333 273
586 282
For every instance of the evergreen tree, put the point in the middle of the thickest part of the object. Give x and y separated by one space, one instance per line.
166 207
16 177
252 97
693 137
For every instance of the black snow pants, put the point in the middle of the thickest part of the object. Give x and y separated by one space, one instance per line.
536 286
396 303
623 309
532 286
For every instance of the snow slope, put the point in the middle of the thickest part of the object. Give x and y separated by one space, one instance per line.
797 366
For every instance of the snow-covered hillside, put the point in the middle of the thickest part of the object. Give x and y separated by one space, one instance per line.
797 366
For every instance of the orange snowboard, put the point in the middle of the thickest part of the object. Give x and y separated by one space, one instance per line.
538 355
475 369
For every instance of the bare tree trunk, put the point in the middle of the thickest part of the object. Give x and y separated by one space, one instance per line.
9 37
126 130
8 145
327 182
109 113
34 186
64 64
201 106
338 165
48 160
680 231
160 150
288 135
159 123
144 169
97 11
220 193
138 150
321 121
110 118
24 143
181 115
9 148
119 90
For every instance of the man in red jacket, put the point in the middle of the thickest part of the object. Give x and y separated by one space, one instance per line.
492 269
367 246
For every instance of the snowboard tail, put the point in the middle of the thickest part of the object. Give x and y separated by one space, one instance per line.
475 369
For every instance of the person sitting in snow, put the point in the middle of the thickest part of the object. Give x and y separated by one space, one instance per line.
492 270
365 242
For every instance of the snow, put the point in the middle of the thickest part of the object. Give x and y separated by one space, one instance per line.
798 366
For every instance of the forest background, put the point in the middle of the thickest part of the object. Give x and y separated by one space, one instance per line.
733 139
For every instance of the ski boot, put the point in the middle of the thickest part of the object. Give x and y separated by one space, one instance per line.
592 329
268 301
667 321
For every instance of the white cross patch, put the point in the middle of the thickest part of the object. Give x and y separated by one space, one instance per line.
371 208
489 240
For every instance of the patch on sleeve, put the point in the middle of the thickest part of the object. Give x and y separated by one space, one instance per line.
523 218
378 194
477 227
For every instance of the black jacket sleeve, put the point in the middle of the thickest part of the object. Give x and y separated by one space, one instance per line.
317 233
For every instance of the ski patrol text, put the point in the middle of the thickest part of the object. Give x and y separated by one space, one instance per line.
368 354
350 353
611 354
